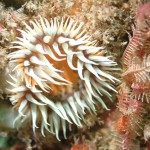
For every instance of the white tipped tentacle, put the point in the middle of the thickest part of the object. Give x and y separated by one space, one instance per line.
34 116
57 50
30 98
22 106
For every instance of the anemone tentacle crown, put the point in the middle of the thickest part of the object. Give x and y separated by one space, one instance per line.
60 74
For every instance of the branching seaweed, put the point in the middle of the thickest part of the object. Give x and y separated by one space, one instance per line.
134 90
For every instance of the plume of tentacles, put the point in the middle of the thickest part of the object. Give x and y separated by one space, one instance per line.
134 91
59 74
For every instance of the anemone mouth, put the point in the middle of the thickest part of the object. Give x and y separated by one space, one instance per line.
60 74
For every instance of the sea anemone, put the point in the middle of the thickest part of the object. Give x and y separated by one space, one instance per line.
60 74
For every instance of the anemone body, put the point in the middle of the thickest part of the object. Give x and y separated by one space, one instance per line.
61 74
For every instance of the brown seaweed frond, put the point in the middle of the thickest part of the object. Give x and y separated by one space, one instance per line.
131 110
136 43
138 70
140 91
125 142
